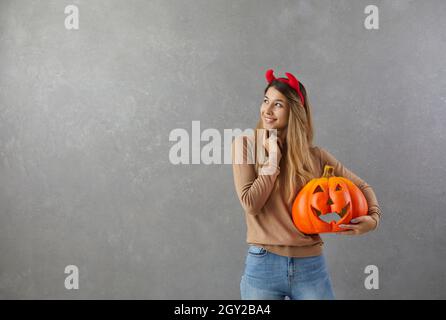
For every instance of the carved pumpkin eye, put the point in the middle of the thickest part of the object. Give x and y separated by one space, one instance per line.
338 187
318 189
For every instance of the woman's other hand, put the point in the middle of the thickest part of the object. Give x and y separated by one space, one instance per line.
360 226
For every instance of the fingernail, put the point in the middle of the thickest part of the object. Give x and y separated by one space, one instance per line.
353 220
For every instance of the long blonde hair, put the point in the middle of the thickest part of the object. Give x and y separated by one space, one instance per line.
296 166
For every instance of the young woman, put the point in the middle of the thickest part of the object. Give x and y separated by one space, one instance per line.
281 261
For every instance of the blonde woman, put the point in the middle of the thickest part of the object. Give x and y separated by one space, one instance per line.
281 261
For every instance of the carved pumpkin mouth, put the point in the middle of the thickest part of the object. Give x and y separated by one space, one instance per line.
342 213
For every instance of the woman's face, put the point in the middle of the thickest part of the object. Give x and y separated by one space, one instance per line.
274 110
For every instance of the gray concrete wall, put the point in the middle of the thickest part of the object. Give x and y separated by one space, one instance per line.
85 117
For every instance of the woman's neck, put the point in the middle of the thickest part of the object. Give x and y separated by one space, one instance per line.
282 135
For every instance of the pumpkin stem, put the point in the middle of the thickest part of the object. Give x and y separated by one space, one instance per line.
328 171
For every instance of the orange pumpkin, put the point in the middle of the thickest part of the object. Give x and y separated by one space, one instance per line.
324 195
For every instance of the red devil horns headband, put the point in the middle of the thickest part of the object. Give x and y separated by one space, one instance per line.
291 81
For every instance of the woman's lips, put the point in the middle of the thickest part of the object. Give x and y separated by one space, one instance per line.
269 120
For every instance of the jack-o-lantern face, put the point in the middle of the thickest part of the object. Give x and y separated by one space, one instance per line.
325 195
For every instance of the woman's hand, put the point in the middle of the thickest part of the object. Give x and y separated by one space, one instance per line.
268 138
361 225
274 154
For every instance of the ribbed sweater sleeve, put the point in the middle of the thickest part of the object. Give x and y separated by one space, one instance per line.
340 170
253 191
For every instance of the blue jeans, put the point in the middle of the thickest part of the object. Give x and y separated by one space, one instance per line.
269 276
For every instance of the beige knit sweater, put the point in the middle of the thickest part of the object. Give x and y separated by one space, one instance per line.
268 218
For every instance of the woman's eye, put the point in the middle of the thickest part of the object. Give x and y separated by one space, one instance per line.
278 104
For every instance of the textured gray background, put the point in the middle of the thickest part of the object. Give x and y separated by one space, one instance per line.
85 118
